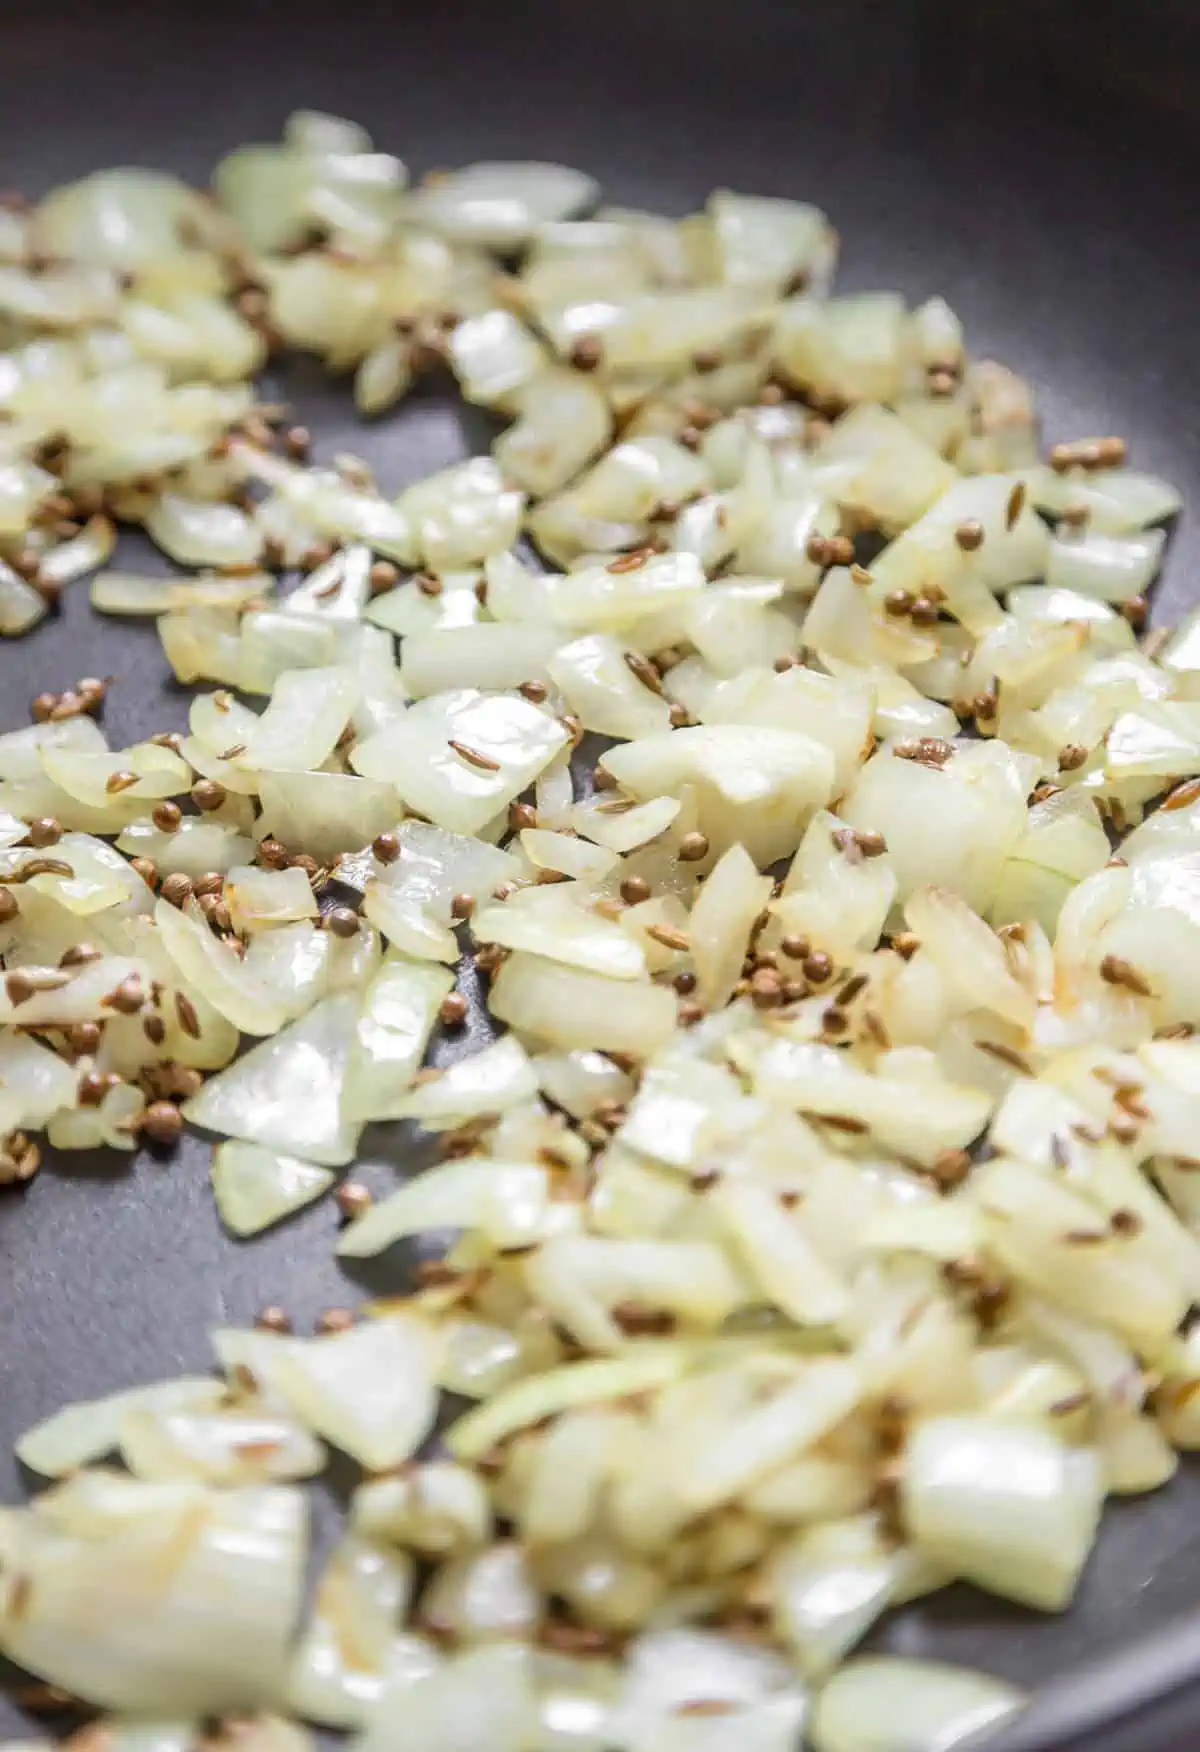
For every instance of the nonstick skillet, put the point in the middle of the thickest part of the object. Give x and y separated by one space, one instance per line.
1035 163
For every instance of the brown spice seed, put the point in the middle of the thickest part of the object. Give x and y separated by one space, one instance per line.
177 888
343 921
386 847
332 1320
167 817
586 354
521 816
796 948
534 691
692 848
631 562
273 1318
453 1010
208 795
969 536
45 831
668 936
120 781
1015 505
9 906
185 1010
1182 795
645 671
162 1125
353 1200
127 998
818 967
1120 972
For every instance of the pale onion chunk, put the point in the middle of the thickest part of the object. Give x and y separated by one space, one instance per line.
562 422
462 514
511 741
160 1597
308 711
756 786
240 1443
1006 1506
491 656
255 1187
226 979
614 597
203 533
905 1103
285 1093
721 921
1111 567
490 1081
562 930
495 357
391 1032
324 814
883 1703
351 1643
508 1202
500 203
568 1008
603 691
626 829
411 900
90 1429
368 1390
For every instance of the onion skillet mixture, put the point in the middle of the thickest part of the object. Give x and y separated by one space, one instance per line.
773 728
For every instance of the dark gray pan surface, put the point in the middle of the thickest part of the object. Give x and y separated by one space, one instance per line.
1034 165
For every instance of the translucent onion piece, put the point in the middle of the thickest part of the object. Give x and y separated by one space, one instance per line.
285 1093
508 743
1005 1506
506 1202
236 1444
490 1081
342 1662
887 1704
398 1014
87 1431
569 1008
368 1390
158 1597
500 204
254 1187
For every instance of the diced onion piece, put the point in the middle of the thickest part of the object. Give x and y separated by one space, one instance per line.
1004 1505
159 1597
884 1703
255 1187
285 1093
569 1008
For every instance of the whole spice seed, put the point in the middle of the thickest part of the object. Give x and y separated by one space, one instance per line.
177 888
692 848
167 817
645 671
453 1010
9 906
185 1011
1119 972
353 1200
162 1125
343 921
634 890
208 795
386 847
